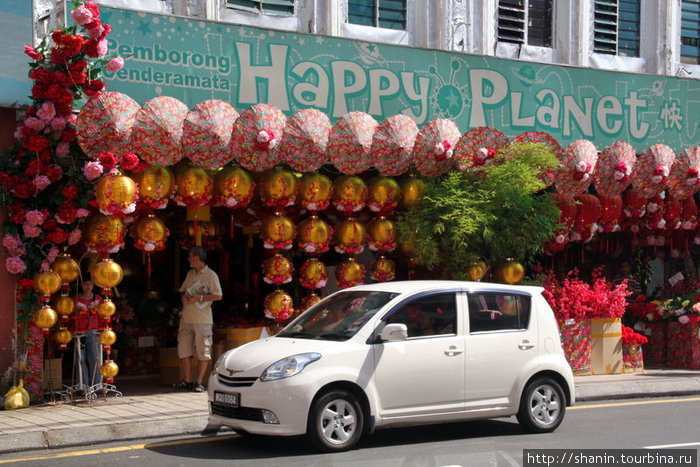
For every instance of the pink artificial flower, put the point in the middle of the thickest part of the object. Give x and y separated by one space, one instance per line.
63 149
31 231
34 217
46 112
34 123
82 213
41 182
72 118
115 64
74 236
102 47
53 252
96 32
81 16
683 319
58 123
93 170
18 132
44 266
32 53
11 242
15 265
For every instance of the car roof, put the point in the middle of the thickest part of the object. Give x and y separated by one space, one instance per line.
409 287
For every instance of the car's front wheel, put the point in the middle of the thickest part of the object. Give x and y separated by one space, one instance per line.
542 406
336 421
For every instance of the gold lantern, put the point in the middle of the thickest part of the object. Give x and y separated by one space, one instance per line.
314 235
109 370
313 274
107 338
277 232
383 194
45 317
106 273
66 267
116 193
277 270
475 271
349 193
194 186
150 233
278 305
155 185
278 187
510 272
381 235
309 301
104 232
350 237
407 245
349 272
314 191
47 282
106 308
64 305
62 337
383 269
412 190
233 187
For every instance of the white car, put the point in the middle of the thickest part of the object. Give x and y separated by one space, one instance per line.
398 353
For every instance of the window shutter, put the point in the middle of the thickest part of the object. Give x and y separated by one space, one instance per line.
388 14
539 28
690 30
616 27
605 27
267 7
628 28
511 21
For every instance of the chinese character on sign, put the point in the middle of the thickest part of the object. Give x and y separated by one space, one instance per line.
672 116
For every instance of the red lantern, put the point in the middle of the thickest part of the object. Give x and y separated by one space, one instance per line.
655 209
587 214
567 208
633 204
672 212
611 212
689 212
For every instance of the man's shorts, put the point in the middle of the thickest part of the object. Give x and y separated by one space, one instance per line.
194 339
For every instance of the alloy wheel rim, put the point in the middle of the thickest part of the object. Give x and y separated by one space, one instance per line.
545 405
337 422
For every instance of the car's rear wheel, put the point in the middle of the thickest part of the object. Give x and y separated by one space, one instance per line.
336 421
542 406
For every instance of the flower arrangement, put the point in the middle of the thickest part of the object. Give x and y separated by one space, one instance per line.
606 299
631 337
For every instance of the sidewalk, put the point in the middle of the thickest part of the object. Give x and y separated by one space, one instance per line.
147 410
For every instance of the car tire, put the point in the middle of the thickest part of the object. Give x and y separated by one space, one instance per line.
336 421
542 406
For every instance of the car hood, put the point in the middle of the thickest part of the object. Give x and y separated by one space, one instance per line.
253 358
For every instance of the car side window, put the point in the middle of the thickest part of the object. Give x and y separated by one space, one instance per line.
498 311
433 315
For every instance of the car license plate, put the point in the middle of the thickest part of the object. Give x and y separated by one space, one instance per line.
228 398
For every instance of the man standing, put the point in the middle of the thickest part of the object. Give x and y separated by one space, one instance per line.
200 288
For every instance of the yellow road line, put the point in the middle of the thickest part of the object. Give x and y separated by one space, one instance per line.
621 404
133 447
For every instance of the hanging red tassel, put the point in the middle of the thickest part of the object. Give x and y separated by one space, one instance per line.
149 265
231 227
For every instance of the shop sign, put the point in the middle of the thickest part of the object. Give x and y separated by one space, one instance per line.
195 60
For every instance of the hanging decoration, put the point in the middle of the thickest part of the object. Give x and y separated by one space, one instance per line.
610 213
278 188
206 133
612 173
478 147
46 283
684 180
313 274
105 123
652 170
233 187
577 164
194 187
349 273
314 191
350 143
256 137
587 214
672 213
434 147
383 194
116 194
412 190
689 212
150 233
350 236
277 232
104 234
547 140
107 274
68 270
567 217
477 270
309 301
314 235
305 140
277 270
155 187
349 193
382 235
510 272
634 208
392 145
156 136
382 269
278 306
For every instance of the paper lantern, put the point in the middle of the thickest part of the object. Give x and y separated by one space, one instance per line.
350 236
206 133
277 232
476 271
277 270
412 190
66 267
64 305
587 214
104 233
305 138
150 234
156 185
610 212
62 337
314 191
309 301
672 212
106 274
381 235
382 269
233 187
689 212
256 137
633 204
109 370
383 194
194 187
511 272
157 133
349 193
278 188
278 306
350 143
313 274
106 308
107 338
116 194
44 318
47 282
434 147
314 235
349 273
567 208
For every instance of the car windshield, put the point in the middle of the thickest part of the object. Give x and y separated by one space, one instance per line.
338 317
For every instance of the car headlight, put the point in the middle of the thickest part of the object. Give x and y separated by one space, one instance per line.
219 362
288 366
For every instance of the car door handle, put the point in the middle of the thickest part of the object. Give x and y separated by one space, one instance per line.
452 351
525 345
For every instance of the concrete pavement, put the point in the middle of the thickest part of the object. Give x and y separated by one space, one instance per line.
147 410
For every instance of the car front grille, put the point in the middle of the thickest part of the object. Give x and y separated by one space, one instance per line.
241 413
235 382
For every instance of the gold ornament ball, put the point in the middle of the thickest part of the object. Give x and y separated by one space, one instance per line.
155 183
279 300
116 188
412 190
314 230
511 272
350 232
64 305
278 265
107 337
381 230
383 191
383 266
47 282
349 270
107 308
277 228
103 231
278 184
475 272
106 274
66 267
45 317
349 188
150 229
314 188
313 270
194 182
62 336
233 182
109 369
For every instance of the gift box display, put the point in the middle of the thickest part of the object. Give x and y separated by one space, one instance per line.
683 345
576 340
655 349
632 358
606 346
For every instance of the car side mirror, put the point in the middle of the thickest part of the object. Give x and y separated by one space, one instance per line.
394 332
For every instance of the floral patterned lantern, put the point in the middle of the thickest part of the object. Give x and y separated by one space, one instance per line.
314 235
612 173
116 194
349 193
277 270
233 187
314 191
577 164
256 137
194 187
547 140
434 147
350 236
105 122
313 274
652 170
684 180
150 234
309 301
305 139
382 269
412 190
278 188
277 232
104 233
381 235
392 145
206 133
478 146
349 273
350 143
383 194
278 306
156 135
156 185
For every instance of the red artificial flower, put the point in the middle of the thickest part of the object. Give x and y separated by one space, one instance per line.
5 179
93 88
39 91
18 214
33 54
67 214
140 167
57 236
56 36
33 168
90 48
24 191
68 135
693 318
107 160
41 76
37 143
130 161
49 224
54 172
70 192
25 283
